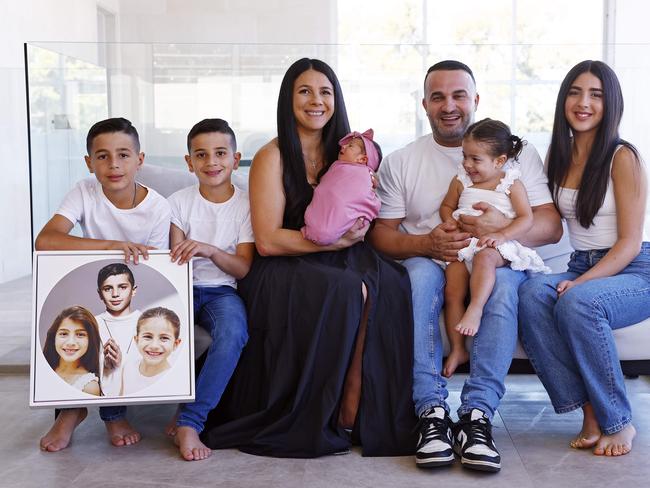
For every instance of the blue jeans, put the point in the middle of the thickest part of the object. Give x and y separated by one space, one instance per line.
110 414
492 347
221 312
569 339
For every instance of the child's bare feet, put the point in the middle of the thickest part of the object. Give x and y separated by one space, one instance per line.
170 428
120 433
616 444
190 445
590 432
58 437
470 322
456 357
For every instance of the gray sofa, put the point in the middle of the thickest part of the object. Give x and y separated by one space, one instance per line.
632 342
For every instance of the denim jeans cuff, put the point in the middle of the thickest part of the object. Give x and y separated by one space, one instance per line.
432 405
188 423
570 407
617 427
113 418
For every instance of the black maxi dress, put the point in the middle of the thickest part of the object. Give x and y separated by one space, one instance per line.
303 317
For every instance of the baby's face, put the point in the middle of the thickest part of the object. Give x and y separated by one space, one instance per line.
353 151
71 340
155 340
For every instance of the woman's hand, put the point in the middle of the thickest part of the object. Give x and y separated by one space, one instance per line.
565 286
355 234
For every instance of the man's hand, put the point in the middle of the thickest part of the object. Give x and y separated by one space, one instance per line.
446 240
491 221
112 356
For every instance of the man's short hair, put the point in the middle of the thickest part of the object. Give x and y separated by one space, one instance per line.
211 125
110 126
450 65
114 269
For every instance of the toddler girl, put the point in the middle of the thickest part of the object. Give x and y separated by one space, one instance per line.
487 174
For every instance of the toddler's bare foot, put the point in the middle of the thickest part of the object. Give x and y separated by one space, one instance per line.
190 445
120 433
170 428
456 358
470 322
590 432
616 444
59 435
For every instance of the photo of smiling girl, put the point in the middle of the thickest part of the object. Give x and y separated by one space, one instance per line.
157 337
72 349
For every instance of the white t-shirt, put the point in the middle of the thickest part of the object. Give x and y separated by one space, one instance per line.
147 223
224 225
414 180
122 329
133 381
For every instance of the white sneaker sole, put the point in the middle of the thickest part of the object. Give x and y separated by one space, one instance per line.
434 462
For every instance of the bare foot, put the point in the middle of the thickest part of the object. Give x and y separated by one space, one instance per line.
59 435
120 433
190 445
590 432
456 358
470 322
170 428
616 444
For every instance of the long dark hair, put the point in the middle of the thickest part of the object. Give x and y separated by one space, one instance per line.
79 315
593 186
298 192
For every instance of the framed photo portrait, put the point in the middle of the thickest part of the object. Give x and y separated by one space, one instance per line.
107 332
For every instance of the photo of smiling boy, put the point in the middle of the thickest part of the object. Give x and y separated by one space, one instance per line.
115 213
156 338
211 223
117 324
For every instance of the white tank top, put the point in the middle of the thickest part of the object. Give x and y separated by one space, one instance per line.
602 234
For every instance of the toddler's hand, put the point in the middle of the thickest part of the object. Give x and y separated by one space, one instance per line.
565 286
187 249
492 240
131 250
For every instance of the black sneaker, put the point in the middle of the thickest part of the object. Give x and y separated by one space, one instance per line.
434 447
474 444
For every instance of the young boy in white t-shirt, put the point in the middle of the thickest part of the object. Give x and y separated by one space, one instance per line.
211 223
115 213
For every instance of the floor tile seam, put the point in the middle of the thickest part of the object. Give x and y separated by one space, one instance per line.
521 459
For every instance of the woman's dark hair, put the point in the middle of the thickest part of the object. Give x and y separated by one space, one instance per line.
163 313
497 136
593 185
298 192
79 315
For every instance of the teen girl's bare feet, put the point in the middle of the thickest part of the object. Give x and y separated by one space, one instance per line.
616 444
190 445
58 437
120 433
590 432
456 358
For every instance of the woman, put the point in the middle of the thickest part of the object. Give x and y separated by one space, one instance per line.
330 329
600 187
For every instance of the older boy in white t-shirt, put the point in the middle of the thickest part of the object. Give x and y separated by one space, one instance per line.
211 223
115 213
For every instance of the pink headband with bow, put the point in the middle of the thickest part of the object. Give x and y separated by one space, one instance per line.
371 150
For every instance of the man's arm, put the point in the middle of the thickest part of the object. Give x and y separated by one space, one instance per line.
443 242
547 225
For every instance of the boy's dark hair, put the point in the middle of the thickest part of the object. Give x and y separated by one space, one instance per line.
380 155
497 136
211 125
114 269
163 313
450 65
109 126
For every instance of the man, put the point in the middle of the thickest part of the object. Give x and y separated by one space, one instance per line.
412 183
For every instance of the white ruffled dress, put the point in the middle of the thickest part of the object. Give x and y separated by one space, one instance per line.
521 258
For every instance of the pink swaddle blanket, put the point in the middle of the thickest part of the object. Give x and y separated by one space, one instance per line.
344 194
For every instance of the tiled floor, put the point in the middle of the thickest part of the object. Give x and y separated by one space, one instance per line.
532 439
